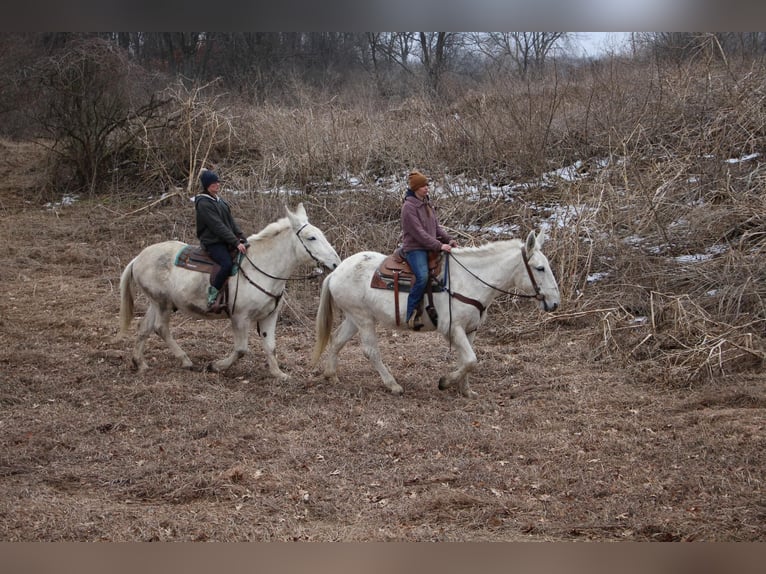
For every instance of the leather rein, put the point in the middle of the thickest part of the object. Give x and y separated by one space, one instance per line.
272 295
478 304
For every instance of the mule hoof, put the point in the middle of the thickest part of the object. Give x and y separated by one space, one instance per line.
397 390
443 384
469 394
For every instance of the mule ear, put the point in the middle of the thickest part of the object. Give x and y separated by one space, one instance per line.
297 217
531 243
541 239
300 211
294 221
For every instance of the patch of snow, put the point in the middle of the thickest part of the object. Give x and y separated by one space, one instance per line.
593 277
66 201
709 253
743 158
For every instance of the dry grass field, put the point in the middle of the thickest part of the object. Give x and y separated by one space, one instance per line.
558 446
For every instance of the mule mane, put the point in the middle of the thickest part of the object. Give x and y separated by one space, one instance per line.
272 230
492 248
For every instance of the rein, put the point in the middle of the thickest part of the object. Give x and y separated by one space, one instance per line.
538 294
478 304
301 278
240 271
270 276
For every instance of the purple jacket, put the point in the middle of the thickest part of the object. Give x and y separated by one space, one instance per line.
420 226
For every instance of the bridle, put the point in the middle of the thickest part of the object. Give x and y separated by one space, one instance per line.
298 233
538 293
270 276
478 304
525 258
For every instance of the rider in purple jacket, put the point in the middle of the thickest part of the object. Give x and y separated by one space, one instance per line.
421 233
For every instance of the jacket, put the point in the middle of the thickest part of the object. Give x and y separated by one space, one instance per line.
420 225
215 223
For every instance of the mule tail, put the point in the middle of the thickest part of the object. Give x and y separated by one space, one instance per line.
126 298
323 321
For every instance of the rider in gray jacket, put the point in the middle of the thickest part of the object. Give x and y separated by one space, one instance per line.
217 231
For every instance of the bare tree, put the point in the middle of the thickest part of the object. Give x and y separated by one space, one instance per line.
433 55
527 52
88 97
432 51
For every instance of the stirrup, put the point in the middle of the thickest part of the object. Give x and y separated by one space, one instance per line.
433 315
217 307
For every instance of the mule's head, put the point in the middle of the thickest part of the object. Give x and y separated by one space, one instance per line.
316 246
542 280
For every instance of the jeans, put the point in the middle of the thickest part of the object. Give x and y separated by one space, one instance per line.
418 260
220 254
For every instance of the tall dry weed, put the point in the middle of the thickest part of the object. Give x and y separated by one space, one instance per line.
666 198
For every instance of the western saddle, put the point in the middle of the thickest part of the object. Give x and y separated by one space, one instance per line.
395 274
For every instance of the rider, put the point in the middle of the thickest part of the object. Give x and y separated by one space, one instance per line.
217 231
421 233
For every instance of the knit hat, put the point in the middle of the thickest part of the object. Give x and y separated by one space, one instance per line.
207 178
416 180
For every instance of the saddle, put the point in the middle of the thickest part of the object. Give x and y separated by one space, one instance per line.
395 274
196 258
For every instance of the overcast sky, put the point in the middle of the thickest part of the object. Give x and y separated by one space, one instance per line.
596 43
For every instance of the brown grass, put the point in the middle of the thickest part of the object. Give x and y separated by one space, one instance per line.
560 446
635 412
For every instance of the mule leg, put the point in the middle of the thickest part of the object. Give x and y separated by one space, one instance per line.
162 328
157 321
371 350
268 335
145 328
466 363
338 340
239 326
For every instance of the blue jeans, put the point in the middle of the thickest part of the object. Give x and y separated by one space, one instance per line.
418 260
220 254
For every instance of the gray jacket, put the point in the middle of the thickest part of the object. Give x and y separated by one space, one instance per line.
215 223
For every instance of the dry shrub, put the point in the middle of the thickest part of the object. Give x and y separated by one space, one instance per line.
89 102
319 142
198 132
26 168
678 344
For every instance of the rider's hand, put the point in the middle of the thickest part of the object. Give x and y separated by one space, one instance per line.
446 247
241 247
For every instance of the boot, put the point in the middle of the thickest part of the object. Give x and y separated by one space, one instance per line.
212 294
414 322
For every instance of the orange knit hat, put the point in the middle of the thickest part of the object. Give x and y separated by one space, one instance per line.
416 180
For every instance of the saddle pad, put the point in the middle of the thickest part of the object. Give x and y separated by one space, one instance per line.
195 258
